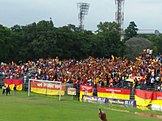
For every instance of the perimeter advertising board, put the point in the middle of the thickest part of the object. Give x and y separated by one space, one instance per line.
95 99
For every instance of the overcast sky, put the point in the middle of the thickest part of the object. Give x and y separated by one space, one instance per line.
147 14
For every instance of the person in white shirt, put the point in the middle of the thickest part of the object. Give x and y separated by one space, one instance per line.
3 89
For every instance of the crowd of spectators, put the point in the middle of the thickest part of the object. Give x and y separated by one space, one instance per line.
146 71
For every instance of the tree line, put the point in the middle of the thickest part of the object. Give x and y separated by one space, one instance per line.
44 40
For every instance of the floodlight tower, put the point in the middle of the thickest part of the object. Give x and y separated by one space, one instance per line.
119 15
83 11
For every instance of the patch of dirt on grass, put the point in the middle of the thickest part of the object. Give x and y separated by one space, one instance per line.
149 115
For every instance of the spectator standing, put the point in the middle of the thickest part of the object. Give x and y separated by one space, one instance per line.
8 90
3 89
95 90
14 89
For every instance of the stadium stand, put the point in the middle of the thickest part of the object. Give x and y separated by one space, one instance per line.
145 72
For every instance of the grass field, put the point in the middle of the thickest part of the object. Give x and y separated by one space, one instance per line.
47 108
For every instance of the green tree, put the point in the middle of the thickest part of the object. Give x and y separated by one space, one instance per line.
6 44
131 30
107 27
108 39
157 42
44 40
18 39
136 45
73 43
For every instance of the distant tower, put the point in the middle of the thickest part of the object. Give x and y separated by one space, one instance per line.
83 11
119 16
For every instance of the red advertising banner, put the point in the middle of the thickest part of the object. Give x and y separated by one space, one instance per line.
47 88
13 82
85 90
156 103
71 91
157 96
117 93
51 86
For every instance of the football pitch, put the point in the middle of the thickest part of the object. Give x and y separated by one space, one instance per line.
20 107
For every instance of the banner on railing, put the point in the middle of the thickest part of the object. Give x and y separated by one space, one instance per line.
47 88
117 93
146 98
71 91
156 103
13 82
85 90
143 97
95 99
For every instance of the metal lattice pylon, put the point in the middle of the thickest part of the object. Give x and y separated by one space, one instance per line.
83 11
119 16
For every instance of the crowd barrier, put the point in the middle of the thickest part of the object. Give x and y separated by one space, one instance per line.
100 100
142 97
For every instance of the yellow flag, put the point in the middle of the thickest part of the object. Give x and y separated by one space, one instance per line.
112 56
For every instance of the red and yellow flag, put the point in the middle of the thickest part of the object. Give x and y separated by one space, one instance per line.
13 82
85 90
143 97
